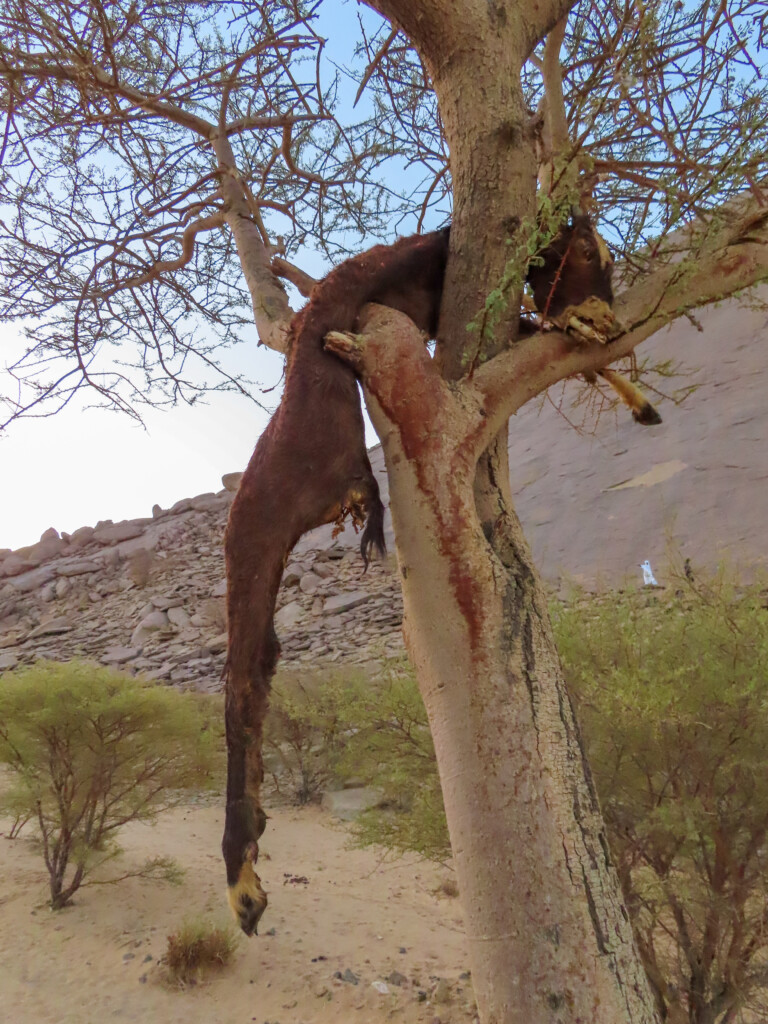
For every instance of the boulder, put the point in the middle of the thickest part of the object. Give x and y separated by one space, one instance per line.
113 533
82 536
209 502
289 615
348 804
33 580
151 623
231 481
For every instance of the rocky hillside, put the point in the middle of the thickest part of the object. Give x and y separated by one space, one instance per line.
148 595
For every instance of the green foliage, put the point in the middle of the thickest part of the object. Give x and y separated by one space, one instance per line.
671 691
671 696
306 726
197 948
90 749
526 248
390 747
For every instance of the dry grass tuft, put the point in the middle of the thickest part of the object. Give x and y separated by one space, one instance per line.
197 949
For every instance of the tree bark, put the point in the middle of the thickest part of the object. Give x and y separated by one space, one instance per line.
550 940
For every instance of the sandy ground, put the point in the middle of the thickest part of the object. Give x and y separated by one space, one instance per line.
97 961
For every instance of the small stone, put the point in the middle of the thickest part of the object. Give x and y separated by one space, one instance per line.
396 978
220 589
381 987
350 977
309 583
8 662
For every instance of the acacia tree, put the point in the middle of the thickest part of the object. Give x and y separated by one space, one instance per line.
650 113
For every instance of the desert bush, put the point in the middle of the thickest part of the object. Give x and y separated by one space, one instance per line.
389 746
306 728
671 691
90 749
671 696
196 949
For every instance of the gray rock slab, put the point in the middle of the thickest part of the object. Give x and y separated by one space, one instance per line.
78 567
8 662
52 628
343 602
34 579
119 655
116 532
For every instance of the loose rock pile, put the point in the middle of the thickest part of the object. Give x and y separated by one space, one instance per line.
147 595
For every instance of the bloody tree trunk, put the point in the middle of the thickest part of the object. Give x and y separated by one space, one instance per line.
549 937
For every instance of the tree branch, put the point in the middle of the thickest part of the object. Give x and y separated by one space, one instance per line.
298 278
719 262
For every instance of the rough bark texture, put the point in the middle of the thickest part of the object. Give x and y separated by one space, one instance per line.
549 937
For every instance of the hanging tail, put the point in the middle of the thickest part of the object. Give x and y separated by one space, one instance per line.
631 395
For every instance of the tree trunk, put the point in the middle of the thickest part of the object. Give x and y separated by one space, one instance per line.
549 937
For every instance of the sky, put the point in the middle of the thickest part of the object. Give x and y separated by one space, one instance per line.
84 465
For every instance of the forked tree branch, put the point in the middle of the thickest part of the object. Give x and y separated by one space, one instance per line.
302 281
732 256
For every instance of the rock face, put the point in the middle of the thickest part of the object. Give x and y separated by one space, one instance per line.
148 594
159 610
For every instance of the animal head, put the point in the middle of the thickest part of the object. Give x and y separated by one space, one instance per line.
577 264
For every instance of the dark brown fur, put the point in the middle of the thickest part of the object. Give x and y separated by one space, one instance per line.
310 466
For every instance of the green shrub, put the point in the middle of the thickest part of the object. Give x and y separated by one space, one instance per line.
90 749
196 949
671 696
389 746
306 728
671 691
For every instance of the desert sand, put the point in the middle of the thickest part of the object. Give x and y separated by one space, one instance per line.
332 910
